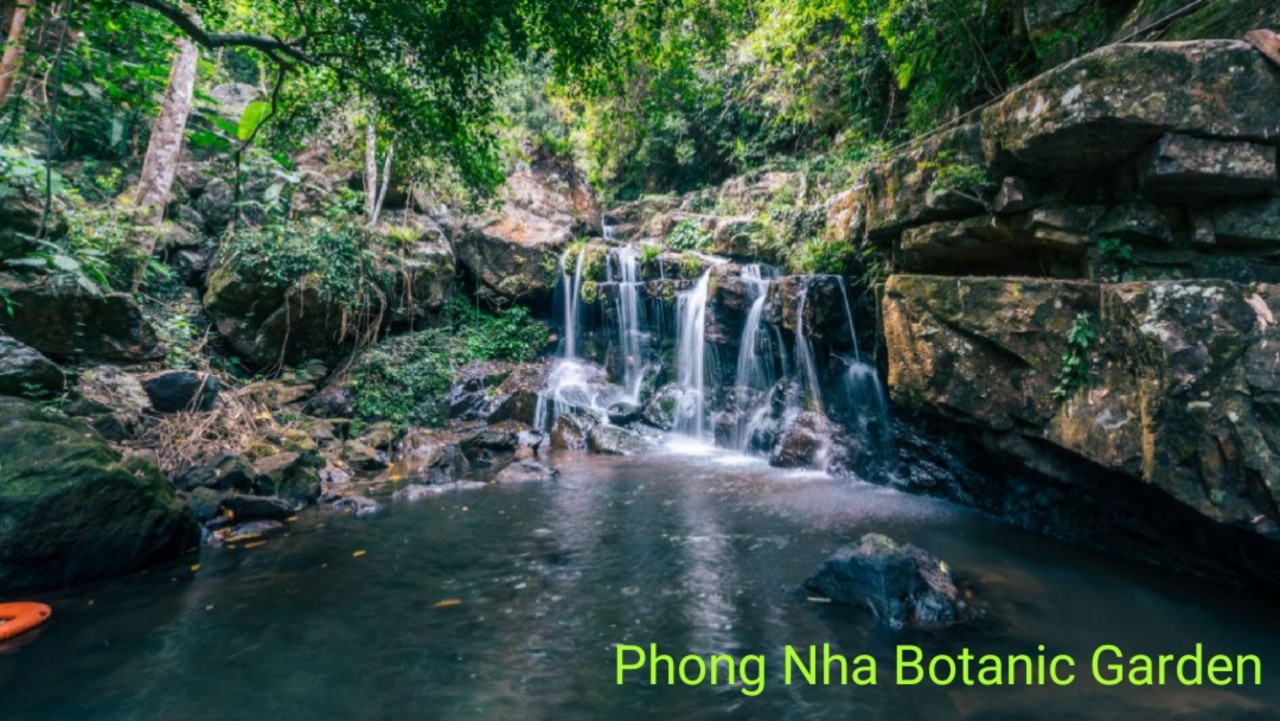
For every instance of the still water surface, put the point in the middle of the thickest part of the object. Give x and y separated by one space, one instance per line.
697 553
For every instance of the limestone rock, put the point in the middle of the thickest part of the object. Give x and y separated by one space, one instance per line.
1187 170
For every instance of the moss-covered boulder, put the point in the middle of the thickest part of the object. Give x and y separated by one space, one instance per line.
71 511
942 177
61 319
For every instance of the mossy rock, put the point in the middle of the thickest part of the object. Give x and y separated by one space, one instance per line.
71 511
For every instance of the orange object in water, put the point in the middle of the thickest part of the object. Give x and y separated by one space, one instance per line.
18 618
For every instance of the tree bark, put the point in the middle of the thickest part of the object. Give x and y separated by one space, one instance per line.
13 49
167 134
371 164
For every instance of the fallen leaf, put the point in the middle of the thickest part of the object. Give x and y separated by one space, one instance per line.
448 602
255 544
195 567
358 554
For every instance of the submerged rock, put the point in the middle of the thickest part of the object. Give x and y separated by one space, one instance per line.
902 585
526 472
415 492
360 506
225 473
662 409
806 441
257 508
71 511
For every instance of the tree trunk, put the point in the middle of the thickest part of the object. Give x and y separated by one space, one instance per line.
13 49
371 165
167 134
160 167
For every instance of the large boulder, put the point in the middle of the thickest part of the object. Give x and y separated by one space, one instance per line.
512 251
939 178
113 401
1182 395
806 441
61 319
72 511
615 441
294 477
181 390
25 372
901 584
1102 109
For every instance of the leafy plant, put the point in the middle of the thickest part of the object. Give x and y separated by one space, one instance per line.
1116 257
1075 360
688 235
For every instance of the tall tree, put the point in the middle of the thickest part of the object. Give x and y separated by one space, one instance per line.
13 48
160 166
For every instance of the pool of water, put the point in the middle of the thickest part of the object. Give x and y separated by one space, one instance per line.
508 603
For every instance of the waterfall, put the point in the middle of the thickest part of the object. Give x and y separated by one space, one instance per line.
572 299
632 338
567 385
808 391
755 375
862 390
691 353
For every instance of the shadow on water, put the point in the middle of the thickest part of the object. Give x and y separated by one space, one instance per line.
507 603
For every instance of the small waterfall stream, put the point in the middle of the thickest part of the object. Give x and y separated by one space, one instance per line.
691 359
623 271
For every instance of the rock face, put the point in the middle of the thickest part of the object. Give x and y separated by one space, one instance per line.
71 511
1182 395
64 320
902 585
512 253
1095 112
25 372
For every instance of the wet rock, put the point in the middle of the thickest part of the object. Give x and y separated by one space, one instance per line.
432 457
61 319
416 492
516 398
1183 169
332 475
615 441
362 457
205 503
1098 111
625 413
494 443
806 441
359 506
661 411
72 511
258 508
182 390
469 395
25 372
294 477
902 585
248 532
570 431
526 472
225 473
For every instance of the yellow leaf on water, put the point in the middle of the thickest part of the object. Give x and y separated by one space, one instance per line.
448 602
291 519
358 554
255 544
195 567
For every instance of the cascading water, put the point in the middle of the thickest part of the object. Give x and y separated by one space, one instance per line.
755 375
625 273
567 385
691 354
807 391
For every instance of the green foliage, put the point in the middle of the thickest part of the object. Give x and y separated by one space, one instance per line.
689 235
964 179
404 379
1116 257
1075 360
823 257
23 174
649 254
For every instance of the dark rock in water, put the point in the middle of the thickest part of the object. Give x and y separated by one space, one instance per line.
806 442
493 443
432 457
614 441
621 414
526 472
663 407
252 531
178 391
25 372
258 508
72 511
332 475
294 477
902 585
62 319
570 432
205 503
358 505
416 492
469 395
226 473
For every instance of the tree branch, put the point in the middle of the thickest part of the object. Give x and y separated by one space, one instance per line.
188 24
